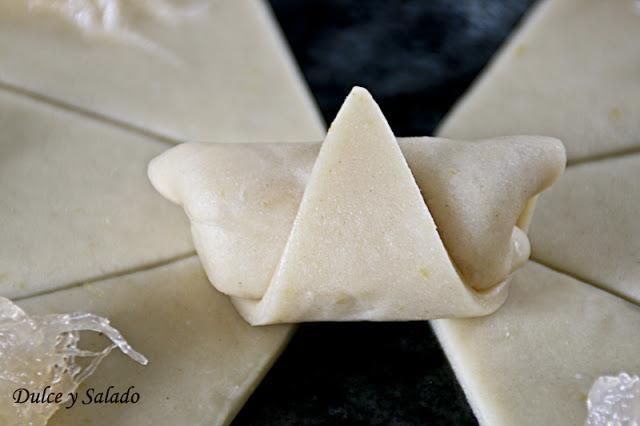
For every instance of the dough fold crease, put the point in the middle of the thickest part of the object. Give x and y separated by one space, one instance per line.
364 226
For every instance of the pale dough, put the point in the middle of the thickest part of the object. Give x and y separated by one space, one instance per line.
534 360
589 225
73 206
221 75
347 235
75 202
204 360
571 72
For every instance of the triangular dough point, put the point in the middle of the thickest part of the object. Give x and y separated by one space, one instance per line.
363 244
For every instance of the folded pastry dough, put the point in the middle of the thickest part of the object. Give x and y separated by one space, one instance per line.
362 227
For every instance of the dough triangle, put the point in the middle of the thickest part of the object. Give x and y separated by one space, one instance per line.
363 238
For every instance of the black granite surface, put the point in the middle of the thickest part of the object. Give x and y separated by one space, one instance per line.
416 58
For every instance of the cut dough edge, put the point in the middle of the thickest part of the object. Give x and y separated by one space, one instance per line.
61 105
271 70
310 126
160 295
42 99
516 385
88 223
600 243
535 67
170 141
123 273
468 368
98 288
558 33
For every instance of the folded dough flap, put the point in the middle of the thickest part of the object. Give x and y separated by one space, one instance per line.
481 196
347 230
241 200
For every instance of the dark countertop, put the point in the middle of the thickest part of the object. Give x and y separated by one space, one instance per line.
416 58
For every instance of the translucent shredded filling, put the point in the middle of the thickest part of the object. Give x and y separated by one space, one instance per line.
36 351
614 401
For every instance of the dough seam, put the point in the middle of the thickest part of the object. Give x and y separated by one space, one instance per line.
584 280
621 153
60 105
110 275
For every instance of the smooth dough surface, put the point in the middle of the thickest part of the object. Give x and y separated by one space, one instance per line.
588 224
204 360
534 360
570 72
292 237
72 205
75 202
213 72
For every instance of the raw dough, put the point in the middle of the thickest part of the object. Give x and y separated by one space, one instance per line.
73 206
352 238
571 72
75 203
204 360
598 237
534 360
223 75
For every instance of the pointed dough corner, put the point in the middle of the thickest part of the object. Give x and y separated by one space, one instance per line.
166 170
364 226
363 244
